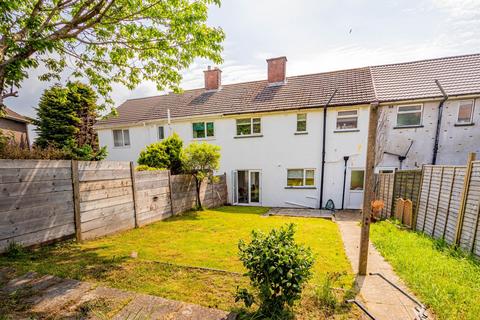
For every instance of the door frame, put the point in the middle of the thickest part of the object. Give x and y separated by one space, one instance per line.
235 187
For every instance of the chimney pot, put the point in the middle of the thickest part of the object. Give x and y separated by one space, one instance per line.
213 78
277 70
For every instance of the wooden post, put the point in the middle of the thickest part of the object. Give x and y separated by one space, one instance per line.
76 201
417 207
170 191
368 189
463 199
134 193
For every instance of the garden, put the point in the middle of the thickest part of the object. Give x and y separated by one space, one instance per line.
195 258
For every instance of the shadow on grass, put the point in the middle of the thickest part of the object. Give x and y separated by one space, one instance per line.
66 260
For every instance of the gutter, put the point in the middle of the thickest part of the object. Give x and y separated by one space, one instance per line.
322 176
439 122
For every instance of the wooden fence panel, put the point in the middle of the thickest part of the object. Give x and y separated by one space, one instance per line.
470 221
407 186
106 198
36 201
384 192
153 196
455 199
423 199
432 203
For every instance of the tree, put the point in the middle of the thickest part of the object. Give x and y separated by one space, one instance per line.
201 160
104 41
65 119
163 155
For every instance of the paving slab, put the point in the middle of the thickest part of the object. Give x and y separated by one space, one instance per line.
380 298
72 299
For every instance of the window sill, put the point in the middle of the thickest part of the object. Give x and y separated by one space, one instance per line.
299 133
356 191
408 127
346 130
248 136
464 124
124 147
203 139
301 187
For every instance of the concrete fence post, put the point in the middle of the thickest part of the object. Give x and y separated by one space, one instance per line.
463 198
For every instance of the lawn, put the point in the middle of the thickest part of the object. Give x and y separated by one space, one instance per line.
445 279
169 251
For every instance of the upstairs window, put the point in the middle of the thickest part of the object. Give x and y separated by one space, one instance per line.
121 138
300 177
301 122
408 116
465 112
248 126
161 133
347 120
203 130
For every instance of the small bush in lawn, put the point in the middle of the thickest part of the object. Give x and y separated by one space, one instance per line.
278 268
163 155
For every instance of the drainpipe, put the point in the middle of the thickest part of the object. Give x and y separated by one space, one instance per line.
323 146
344 179
439 121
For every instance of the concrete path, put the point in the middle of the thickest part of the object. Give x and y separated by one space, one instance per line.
32 295
380 298
300 212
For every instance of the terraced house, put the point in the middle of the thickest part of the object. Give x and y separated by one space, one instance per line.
276 136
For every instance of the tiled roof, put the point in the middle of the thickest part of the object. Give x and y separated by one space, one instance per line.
412 80
458 75
10 114
354 86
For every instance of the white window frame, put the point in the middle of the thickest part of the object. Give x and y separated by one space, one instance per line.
404 112
471 115
304 178
251 127
346 116
158 133
123 138
205 130
306 123
350 186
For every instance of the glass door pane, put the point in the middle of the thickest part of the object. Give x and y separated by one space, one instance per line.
254 186
242 186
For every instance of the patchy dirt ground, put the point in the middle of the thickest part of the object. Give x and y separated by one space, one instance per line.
32 296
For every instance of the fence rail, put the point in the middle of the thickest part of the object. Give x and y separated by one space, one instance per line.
46 200
445 200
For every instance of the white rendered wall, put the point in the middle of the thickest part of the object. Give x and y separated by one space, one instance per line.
277 150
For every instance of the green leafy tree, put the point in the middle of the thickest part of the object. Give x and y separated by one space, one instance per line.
104 41
201 160
163 155
65 119
278 269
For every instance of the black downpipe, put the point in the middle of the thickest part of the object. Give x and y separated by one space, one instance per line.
344 180
322 176
439 122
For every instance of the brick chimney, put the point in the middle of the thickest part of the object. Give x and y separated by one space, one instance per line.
277 70
213 78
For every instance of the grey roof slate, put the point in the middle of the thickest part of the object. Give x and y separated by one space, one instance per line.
412 80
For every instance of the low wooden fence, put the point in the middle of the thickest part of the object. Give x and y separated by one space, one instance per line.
445 200
404 184
45 200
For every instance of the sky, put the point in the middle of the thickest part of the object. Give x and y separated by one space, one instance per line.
315 36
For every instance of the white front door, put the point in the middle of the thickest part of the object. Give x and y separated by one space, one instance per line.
246 187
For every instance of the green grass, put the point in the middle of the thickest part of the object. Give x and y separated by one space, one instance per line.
206 239
445 279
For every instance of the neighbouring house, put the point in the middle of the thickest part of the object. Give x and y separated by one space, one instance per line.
15 126
272 135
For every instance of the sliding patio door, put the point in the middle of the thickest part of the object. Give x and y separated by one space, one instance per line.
246 186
